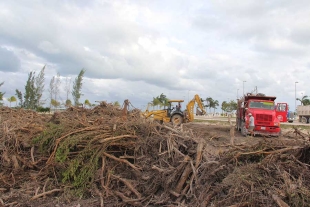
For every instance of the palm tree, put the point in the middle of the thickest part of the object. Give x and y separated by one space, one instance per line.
214 105
155 102
209 103
304 100
12 99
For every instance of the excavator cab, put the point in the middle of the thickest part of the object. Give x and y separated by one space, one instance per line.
174 112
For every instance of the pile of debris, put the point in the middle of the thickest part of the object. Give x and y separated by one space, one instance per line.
113 157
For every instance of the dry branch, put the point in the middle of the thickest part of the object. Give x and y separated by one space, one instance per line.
279 201
133 202
129 185
183 178
122 160
46 193
117 138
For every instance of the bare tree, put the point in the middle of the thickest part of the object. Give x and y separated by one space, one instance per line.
1 95
57 87
39 82
68 88
52 89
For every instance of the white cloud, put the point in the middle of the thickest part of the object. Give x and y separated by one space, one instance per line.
48 47
148 47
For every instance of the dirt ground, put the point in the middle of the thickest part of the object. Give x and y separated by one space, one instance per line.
160 154
217 135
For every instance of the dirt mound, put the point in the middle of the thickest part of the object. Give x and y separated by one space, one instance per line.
107 156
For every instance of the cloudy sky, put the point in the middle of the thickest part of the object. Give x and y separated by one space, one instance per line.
138 49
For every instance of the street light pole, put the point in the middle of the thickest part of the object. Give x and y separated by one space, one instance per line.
243 86
237 93
295 96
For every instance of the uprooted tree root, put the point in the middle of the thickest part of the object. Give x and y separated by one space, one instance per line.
127 161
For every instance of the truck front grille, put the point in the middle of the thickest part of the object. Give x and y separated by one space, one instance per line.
263 118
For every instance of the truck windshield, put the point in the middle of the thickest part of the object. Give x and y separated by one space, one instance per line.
262 105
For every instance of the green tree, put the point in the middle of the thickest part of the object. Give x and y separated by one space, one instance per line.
19 95
155 102
55 103
30 92
32 97
163 100
211 104
33 90
87 103
12 99
68 103
229 106
1 95
232 106
116 103
214 105
77 87
224 106
304 100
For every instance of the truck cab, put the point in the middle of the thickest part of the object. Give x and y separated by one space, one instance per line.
283 113
264 113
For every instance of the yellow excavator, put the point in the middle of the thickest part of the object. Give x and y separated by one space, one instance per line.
176 115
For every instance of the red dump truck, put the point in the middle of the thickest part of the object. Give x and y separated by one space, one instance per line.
265 113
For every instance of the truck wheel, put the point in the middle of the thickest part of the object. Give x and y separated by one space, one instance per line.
304 120
239 125
244 130
177 119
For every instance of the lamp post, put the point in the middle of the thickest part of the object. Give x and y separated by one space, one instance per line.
237 93
295 96
243 86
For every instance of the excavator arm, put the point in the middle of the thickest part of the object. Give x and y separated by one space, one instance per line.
190 107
